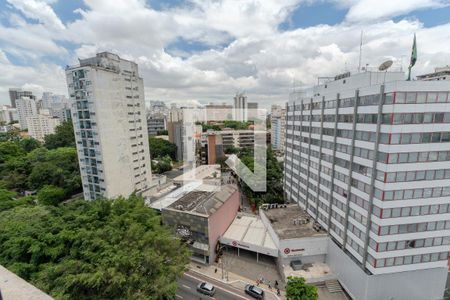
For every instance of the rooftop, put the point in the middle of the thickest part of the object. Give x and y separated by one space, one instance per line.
204 202
250 230
290 222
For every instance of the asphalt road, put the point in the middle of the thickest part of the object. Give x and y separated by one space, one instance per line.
187 289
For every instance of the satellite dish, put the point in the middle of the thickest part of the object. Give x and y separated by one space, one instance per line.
386 65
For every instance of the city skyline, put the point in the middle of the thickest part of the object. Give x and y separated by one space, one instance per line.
259 48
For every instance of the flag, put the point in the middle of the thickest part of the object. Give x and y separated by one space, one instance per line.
413 57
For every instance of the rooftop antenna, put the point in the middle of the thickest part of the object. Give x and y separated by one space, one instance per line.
360 52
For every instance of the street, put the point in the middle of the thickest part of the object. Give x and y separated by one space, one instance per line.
187 286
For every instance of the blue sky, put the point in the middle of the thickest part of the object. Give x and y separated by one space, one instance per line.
207 50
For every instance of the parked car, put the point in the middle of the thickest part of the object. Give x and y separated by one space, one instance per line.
254 291
206 288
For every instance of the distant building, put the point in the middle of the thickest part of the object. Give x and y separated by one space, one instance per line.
26 107
107 97
42 124
8 114
176 136
278 127
219 112
240 107
156 123
211 148
16 93
442 73
58 105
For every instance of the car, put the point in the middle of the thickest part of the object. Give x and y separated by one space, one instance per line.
254 291
206 288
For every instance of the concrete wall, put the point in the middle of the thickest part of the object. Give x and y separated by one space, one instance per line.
426 284
220 221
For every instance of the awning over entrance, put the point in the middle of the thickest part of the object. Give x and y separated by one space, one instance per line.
249 233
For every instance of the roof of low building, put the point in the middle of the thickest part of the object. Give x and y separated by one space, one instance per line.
204 202
290 221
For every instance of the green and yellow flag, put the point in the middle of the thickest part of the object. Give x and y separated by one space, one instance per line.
413 57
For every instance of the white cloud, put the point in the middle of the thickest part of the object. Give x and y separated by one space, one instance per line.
257 57
38 10
370 10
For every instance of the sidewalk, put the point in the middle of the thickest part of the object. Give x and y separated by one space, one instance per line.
234 279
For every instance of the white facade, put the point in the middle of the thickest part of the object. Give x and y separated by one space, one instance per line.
240 107
368 156
42 124
8 114
108 113
26 107
278 127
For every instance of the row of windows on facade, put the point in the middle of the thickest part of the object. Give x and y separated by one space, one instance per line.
391 138
410 244
387 158
386 213
404 194
407 260
386 119
390 98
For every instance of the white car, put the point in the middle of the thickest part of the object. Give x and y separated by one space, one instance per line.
206 288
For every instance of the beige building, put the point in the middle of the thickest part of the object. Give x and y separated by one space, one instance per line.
26 107
42 124
108 113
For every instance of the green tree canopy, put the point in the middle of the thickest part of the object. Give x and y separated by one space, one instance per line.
274 178
160 148
50 195
297 289
10 150
162 165
63 136
103 249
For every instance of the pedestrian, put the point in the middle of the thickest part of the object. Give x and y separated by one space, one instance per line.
278 292
270 288
215 270
257 282
276 283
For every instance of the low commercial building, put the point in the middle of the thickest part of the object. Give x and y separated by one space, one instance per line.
201 217
286 233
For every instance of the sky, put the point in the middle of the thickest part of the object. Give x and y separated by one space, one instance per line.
202 51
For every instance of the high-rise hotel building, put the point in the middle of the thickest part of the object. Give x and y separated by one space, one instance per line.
108 114
368 157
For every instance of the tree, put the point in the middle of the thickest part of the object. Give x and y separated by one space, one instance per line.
63 136
51 195
8 200
230 149
274 178
103 249
29 144
162 165
297 289
161 148
9 150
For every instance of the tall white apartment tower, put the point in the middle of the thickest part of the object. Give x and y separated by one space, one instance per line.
26 107
278 127
240 107
108 114
368 157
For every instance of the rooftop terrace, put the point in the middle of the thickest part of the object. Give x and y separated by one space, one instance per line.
290 222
